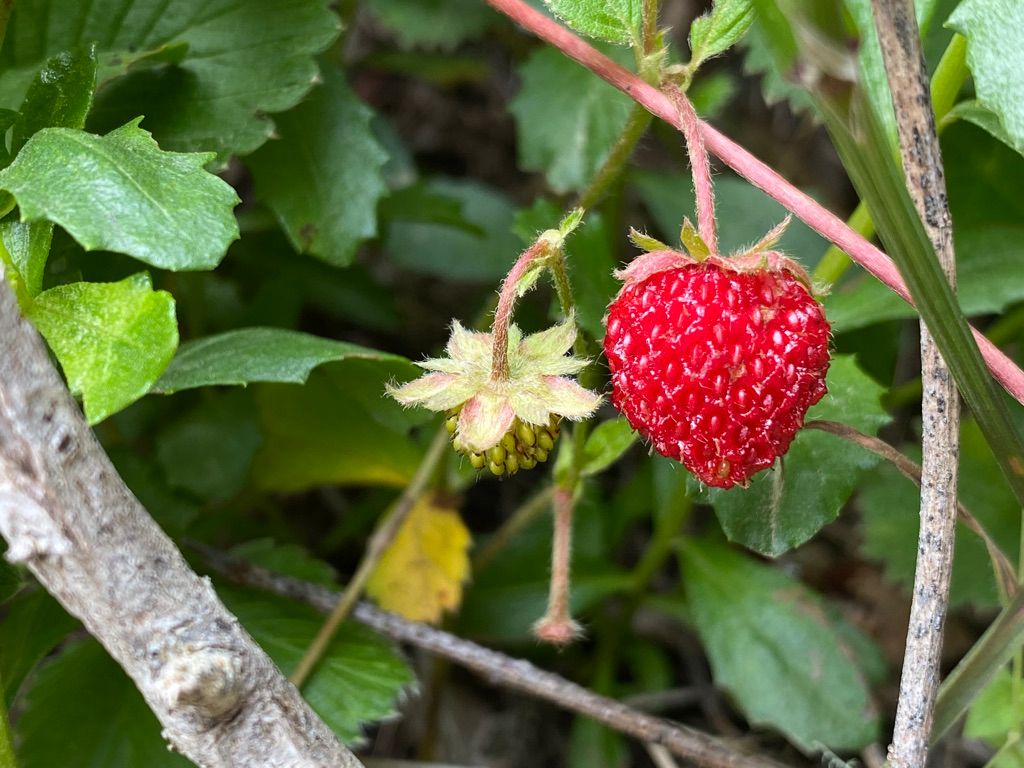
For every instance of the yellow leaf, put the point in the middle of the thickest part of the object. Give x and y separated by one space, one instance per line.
421 573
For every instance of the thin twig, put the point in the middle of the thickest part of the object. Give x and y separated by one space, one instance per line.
1005 573
375 548
497 668
940 403
821 220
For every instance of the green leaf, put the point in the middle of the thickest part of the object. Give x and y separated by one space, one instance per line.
102 719
889 520
773 648
433 23
482 250
338 429
749 211
606 444
120 192
322 176
770 50
783 509
59 97
975 112
209 450
570 143
113 340
356 682
720 29
258 354
995 713
615 21
29 246
32 627
995 55
206 73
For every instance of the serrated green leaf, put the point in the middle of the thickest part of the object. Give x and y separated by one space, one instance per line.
120 192
480 251
766 54
322 176
615 21
719 29
356 682
208 451
570 143
781 510
889 520
33 625
433 23
606 444
249 355
338 429
101 717
113 340
772 646
995 55
214 68
59 97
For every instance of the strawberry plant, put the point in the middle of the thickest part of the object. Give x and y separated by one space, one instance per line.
391 315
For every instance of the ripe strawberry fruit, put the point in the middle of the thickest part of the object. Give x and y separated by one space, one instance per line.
717 361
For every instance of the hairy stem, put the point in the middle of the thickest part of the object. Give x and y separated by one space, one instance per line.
697 747
506 303
700 167
557 625
375 548
940 401
818 218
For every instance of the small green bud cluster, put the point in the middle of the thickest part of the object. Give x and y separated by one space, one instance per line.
524 446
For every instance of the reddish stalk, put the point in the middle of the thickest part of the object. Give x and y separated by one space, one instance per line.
506 303
749 167
557 626
700 166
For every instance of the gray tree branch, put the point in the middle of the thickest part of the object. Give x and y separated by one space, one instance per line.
940 403
67 515
698 748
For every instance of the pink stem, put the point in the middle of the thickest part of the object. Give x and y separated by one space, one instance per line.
557 626
506 303
703 190
746 165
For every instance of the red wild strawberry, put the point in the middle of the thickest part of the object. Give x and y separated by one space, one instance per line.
717 361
